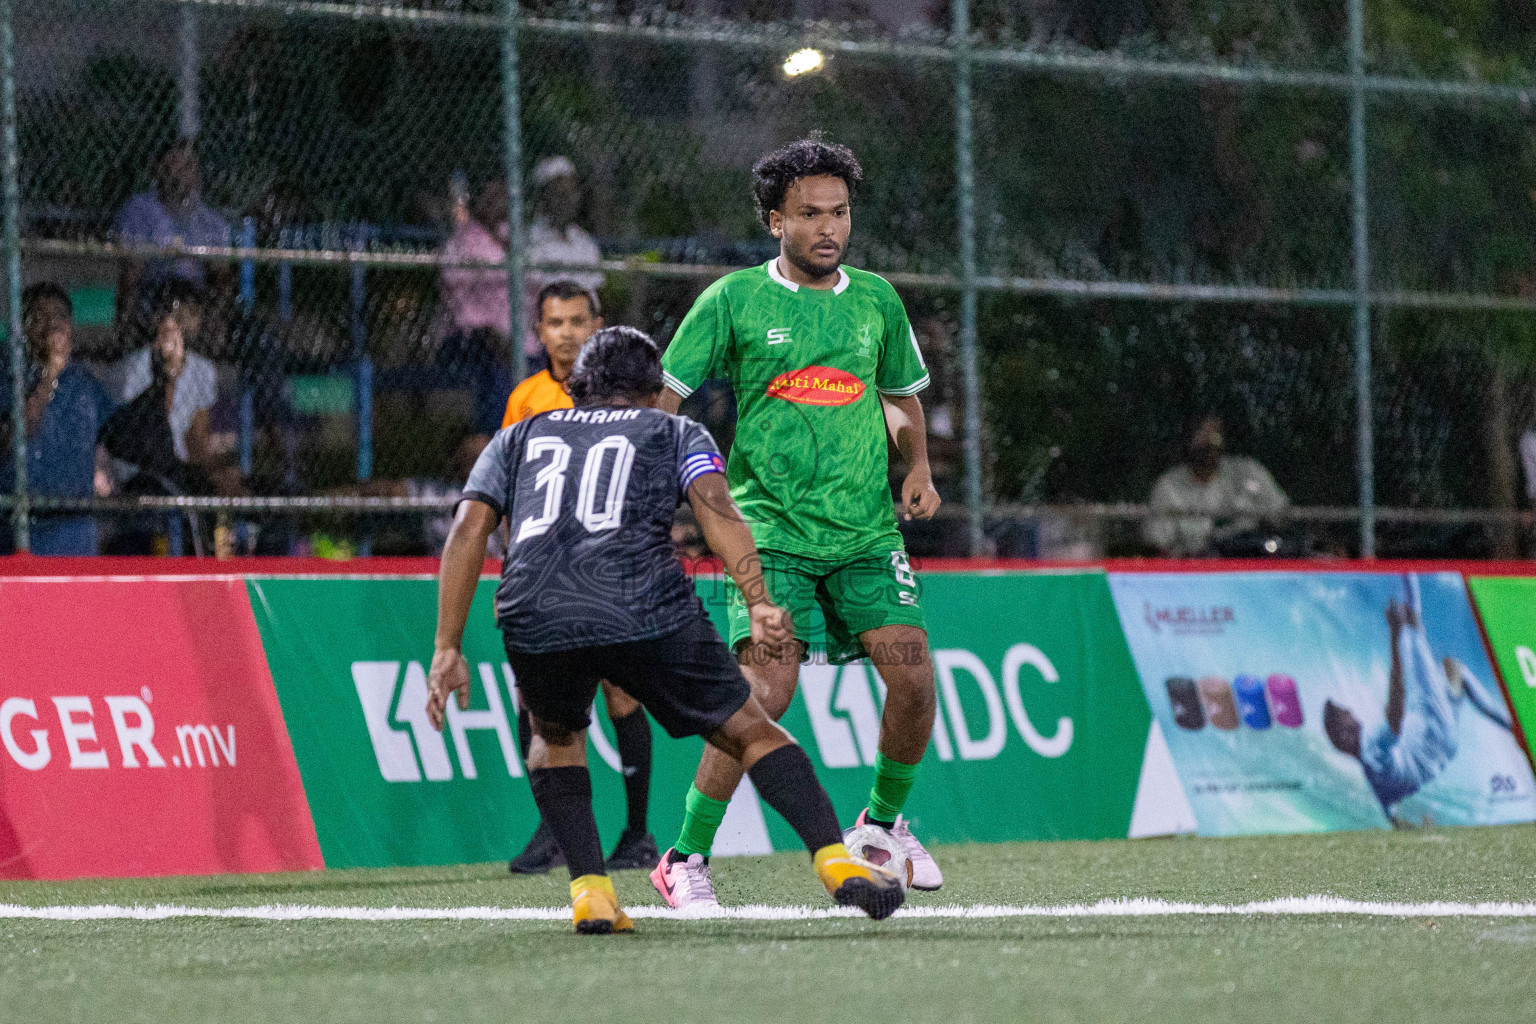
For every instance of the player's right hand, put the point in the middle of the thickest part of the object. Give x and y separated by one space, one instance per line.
772 626
450 673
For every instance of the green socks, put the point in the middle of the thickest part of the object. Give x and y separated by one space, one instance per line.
893 782
701 820
703 814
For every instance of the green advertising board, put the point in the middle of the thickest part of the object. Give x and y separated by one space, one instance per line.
1507 606
1040 734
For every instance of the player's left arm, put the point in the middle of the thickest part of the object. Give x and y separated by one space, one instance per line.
904 419
701 481
729 537
900 375
463 558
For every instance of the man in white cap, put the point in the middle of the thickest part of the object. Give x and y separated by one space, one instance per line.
555 237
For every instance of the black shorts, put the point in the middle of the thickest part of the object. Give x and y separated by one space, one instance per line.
688 680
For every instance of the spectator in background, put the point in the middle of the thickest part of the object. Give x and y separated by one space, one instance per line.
475 348
555 237
170 213
1212 500
65 408
168 391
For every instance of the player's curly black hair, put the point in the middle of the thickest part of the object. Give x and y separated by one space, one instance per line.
775 173
616 362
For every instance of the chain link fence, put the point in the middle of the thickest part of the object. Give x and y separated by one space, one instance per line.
1107 222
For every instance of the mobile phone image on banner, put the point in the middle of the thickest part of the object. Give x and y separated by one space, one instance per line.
1220 708
1185 701
1252 708
1284 701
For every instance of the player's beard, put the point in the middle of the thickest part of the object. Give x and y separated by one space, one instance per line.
801 260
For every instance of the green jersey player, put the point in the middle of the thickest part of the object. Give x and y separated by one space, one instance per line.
824 363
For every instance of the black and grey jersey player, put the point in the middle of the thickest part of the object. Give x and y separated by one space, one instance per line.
591 588
590 496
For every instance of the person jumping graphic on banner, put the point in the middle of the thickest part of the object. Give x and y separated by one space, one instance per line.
1419 735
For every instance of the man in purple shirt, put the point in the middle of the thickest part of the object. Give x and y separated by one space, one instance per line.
65 408
170 213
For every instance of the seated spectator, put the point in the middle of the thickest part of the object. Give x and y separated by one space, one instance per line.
1212 502
170 213
65 408
160 435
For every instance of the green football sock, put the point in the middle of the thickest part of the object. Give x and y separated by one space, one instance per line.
893 782
701 820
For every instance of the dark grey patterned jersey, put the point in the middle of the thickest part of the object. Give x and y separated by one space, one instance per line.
589 495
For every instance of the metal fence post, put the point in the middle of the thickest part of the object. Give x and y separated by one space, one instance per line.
12 201
1362 259
512 143
965 186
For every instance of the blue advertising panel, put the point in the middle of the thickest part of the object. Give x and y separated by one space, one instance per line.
1304 702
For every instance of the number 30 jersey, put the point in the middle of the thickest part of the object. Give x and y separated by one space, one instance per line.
589 495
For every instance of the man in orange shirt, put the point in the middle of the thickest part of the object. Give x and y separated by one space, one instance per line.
567 315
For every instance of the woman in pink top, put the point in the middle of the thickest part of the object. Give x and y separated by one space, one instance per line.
475 300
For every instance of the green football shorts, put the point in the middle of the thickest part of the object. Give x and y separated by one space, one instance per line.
833 602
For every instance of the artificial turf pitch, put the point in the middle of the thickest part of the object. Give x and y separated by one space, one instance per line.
1185 968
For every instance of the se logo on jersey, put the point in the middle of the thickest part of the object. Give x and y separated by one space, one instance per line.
817 385
779 336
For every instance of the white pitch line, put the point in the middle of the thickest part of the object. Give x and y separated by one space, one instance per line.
1294 906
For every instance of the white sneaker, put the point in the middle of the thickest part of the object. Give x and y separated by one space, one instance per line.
925 872
685 883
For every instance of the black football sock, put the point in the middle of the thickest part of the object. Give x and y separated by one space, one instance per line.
524 732
787 783
633 733
887 825
564 796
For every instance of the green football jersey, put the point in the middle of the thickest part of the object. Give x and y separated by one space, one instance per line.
808 467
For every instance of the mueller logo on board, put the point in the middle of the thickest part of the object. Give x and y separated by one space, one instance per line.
1190 620
30 732
817 385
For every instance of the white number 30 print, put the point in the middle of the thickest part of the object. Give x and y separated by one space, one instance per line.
551 480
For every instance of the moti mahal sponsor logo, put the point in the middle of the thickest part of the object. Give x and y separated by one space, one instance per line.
817 385
28 733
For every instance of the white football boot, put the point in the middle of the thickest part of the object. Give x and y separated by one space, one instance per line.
925 872
685 884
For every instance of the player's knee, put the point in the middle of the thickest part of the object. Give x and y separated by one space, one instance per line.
775 700
773 680
749 728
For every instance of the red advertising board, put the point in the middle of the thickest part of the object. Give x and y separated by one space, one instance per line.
140 733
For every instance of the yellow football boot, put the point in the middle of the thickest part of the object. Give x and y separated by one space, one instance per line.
855 882
595 907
